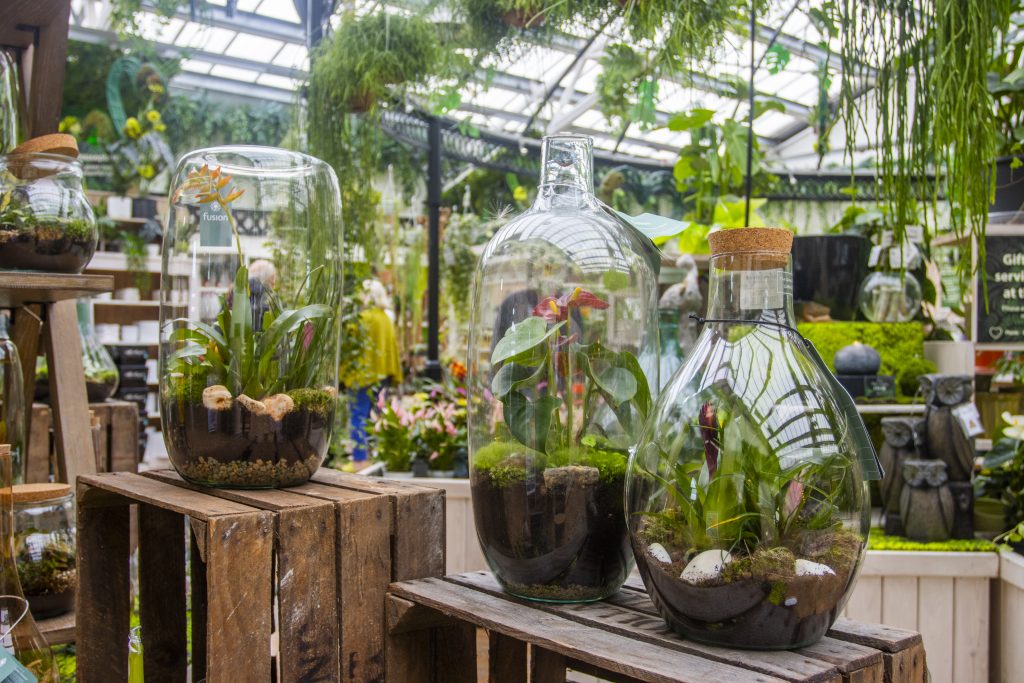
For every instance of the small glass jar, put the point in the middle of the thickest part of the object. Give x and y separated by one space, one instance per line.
46 222
890 297
101 373
44 547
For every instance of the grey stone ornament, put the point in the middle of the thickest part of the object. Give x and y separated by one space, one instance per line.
926 503
902 435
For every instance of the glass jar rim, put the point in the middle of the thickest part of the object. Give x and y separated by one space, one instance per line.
29 157
233 153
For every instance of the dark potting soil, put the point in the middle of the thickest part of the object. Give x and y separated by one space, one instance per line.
235 448
51 604
754 612
566 542
51 251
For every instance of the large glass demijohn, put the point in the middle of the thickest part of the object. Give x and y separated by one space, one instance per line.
249 332
746 497
563 362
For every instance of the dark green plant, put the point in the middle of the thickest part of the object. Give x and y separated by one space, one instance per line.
1006 85
1002 477
623 87
459 263
49 571
1011 363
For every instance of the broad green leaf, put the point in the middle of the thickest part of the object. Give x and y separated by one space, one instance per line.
658 229
514 376
521 338
207 331
777 57
695 118
618 383
529 421
190 351
765 106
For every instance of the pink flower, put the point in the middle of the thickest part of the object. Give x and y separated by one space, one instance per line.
307 335
794 494
554 309
451 429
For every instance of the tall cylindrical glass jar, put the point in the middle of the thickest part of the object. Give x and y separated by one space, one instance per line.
563 362
250 289
746 498
13 408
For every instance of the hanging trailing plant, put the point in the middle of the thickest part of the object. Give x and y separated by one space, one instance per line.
935 130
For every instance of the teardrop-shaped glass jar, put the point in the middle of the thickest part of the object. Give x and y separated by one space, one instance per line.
249 334
19 634
101 374
563 361
746 496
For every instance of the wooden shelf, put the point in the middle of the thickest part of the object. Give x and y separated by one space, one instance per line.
147 303
18 287
58 630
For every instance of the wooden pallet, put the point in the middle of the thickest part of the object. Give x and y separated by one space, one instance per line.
327 550
118 442
621 638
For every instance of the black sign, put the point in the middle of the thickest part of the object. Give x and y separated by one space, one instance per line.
1003 321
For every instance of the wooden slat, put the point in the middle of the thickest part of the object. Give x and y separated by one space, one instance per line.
546 665
901 563
68 401
506 661
103 596
612 652
198 603
408 653
39 448
22 287
935 622
239 567
899 601
631 614
146 490
879 636
454 655
162 593
907 666
866 602
123 437
58 630
970 629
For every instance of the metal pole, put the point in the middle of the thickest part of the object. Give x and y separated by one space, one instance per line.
433 366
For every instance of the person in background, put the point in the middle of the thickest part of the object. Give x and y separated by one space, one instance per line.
379 367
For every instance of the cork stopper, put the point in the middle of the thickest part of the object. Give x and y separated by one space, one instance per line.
751 248
55 143
37 493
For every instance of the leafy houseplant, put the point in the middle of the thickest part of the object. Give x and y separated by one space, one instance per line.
258 380
1002 480
1006 85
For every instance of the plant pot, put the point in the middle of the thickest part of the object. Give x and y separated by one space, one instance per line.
828 269
119 207
989 516
1009 186
143 207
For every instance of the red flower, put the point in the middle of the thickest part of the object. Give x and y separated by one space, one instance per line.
709 433
555 310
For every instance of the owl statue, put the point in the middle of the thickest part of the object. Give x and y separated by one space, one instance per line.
926 504
945 438
901 435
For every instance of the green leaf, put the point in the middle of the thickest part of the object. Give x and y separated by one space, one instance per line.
529 421
514 376
618 383
1003 451
776 58
522 338
764 106
658 229
190 351
695 118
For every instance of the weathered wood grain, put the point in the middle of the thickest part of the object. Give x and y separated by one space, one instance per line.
162 593
546 665
506 662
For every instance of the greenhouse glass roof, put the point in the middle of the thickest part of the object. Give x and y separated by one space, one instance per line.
259 49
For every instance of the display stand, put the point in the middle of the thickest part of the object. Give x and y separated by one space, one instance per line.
44 305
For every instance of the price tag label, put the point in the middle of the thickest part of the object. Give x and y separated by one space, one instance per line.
874 256
969 418
915 233
13 671
761 289
886 239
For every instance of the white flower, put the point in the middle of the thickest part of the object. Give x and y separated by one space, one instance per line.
1014 426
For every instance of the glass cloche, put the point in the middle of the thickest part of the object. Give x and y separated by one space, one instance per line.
563 362
249 341
746 497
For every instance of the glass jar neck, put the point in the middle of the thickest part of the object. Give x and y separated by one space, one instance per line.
751 286
567 164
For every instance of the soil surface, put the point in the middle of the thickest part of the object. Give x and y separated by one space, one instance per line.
558 535
236 448
50 251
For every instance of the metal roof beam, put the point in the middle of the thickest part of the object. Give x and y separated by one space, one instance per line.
246 22
188 81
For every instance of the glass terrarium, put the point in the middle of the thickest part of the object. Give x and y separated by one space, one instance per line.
890 297
101 374
746 498
46 222
44 547
563 362
13 406
250 289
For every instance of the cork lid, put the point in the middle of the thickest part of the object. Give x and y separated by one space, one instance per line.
750 240
35 493
55 143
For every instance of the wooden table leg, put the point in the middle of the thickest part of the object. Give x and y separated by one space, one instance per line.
546 666
104 591
506 661
162 593
68 399
25 334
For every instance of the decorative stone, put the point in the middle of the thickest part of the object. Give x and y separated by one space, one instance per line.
579 475
808 568
659 553
252 405
926 504
857 359
279 405
217 397
903 437
706 567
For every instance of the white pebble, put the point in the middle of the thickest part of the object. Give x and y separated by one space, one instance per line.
789 602
707 566
808 568
659 553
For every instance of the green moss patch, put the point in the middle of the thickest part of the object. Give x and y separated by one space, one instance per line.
896 343
879 541
315 401
509 462
186 388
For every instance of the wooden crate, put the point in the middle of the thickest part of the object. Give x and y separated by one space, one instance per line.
621 638
119 439
327 550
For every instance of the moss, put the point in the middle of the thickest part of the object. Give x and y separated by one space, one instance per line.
316 401
896 343
907 378
768 563
778 592
837 548
106 376
879 541
610 464
186 388
504 462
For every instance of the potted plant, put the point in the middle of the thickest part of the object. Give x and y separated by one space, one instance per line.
1002 479
1006 85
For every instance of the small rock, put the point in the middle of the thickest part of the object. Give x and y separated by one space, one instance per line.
252 405
789 602
279 405
217 397
705 567
659 553
331 391
578 475
808 568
